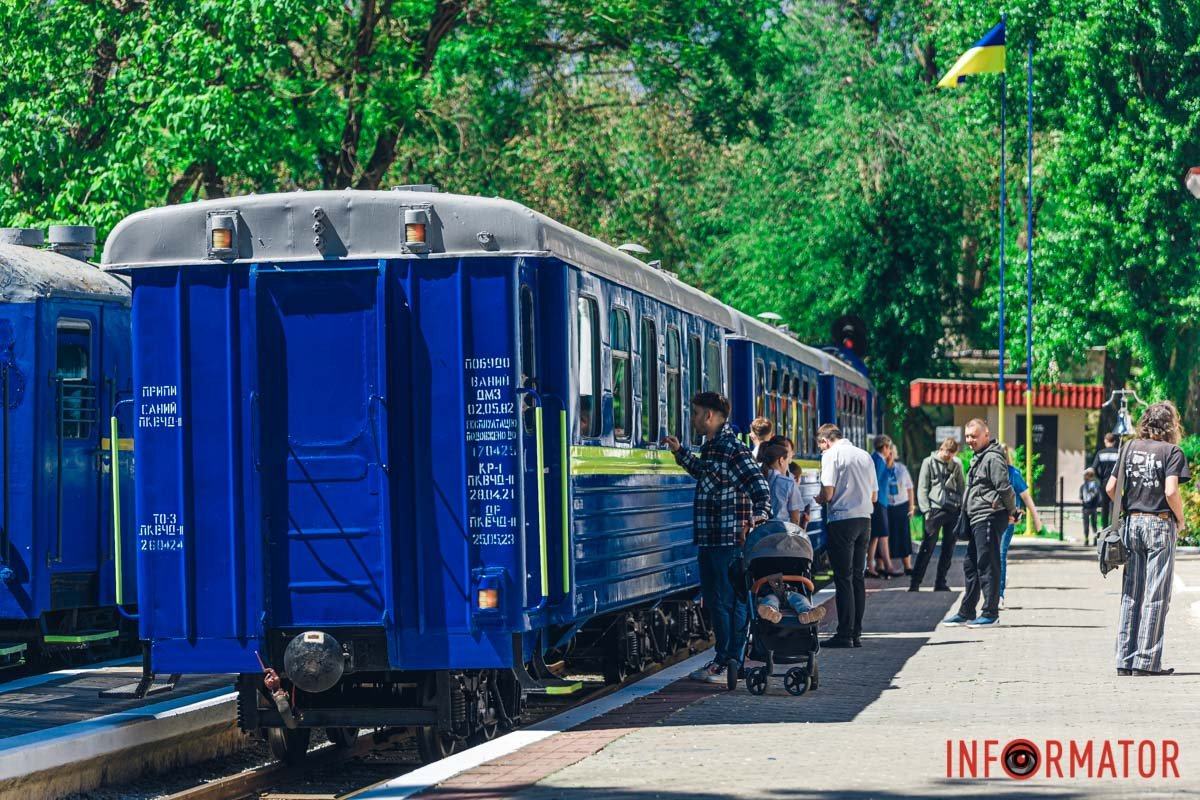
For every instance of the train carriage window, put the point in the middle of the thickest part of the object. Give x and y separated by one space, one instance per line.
814 419
695 374
773 401
797 417
622 384
712 366
589 368
674 386
760 388
77 408
649 350
527 350
785 407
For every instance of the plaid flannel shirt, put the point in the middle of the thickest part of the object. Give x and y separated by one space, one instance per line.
731 489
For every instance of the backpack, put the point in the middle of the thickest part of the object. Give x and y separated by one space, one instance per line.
1110 544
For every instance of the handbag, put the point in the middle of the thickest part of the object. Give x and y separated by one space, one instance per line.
1111 549
951 498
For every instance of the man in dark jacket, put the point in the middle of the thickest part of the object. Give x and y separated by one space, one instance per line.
732 496
988 504
1104 464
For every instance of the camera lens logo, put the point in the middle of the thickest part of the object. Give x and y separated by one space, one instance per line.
1021 759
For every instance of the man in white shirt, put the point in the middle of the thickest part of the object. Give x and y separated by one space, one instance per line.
849 489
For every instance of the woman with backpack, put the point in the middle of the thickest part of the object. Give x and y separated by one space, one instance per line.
1149 470
940 487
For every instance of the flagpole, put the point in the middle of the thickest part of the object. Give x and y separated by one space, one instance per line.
1029 283
1003 202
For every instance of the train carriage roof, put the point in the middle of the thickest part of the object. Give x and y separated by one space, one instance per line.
369 224
28 274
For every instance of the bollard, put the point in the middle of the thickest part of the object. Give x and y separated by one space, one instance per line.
1061 507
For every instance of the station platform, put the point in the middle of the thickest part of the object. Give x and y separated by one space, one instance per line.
57 735
901 716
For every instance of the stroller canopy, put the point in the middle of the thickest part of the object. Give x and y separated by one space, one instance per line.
777 539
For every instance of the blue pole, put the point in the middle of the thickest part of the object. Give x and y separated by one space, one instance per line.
1003 203
1029 278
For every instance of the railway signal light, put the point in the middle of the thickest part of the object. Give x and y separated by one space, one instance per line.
850 333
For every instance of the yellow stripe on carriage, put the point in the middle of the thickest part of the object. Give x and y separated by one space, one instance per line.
592 460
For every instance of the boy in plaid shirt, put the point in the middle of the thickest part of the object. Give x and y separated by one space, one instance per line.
732 497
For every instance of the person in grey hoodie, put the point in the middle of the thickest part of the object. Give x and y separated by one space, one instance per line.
939 499
989 504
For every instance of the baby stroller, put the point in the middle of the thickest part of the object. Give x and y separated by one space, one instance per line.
778 552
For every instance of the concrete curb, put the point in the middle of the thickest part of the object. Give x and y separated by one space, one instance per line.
118 747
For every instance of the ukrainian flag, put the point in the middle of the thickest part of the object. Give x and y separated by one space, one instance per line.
986 56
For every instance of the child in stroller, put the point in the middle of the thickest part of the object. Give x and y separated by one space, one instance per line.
777 568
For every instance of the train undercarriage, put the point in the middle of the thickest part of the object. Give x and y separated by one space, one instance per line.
448 709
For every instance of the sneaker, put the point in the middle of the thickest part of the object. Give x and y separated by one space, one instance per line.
942 588
702 673
716 674
809 617
983 622
955 621
770 613
836 642
1002 606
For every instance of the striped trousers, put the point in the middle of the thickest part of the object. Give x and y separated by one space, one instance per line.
1146 592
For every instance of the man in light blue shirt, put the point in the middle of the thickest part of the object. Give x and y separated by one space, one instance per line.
849 489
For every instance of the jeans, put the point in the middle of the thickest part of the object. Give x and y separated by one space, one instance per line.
936 521
847 545
726 606
1091 522
797 601
1005 541
982 565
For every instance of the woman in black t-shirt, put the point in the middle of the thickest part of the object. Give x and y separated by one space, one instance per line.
1152 515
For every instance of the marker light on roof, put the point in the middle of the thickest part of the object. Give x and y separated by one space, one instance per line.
222 234
415 222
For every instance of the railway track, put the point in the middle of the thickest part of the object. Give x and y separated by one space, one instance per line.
379 755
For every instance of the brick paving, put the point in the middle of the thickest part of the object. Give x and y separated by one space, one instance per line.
879 725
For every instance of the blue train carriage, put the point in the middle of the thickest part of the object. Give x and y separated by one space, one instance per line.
65 362
399 448
799 388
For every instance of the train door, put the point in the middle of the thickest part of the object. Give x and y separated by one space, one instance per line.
319 441
542 337
73 555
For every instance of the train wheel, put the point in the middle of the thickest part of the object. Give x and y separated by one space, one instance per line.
289 745
434 746
796 681
342 737
485 733
614 669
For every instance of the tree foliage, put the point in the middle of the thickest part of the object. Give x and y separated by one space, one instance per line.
787 156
